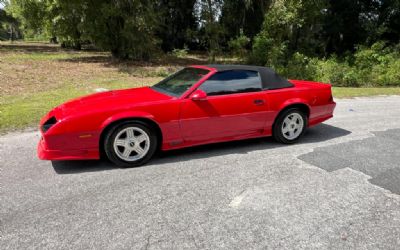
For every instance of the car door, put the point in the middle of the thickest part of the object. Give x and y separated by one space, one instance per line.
235 106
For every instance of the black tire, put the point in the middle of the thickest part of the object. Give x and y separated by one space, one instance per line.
277 127
111 136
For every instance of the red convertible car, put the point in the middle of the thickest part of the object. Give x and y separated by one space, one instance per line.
197 105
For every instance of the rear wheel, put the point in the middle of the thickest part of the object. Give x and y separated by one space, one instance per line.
290 126
130 144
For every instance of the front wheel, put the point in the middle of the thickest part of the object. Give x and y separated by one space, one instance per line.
130 144
290 126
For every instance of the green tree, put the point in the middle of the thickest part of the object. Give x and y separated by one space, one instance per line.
382 21
32 15
279 32
343 29
124 27
176 23
209 13
66 21
238 45
271 44
350 23
9 26
290 26
243 17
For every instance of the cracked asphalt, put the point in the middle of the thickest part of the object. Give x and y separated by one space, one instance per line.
339 188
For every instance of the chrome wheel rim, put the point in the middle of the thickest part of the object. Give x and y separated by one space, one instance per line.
292 126
131 144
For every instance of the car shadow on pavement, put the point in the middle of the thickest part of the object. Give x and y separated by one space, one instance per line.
76 167
319 133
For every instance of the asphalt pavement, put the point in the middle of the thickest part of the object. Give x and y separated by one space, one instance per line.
339 188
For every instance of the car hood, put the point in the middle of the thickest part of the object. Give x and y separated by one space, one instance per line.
110 100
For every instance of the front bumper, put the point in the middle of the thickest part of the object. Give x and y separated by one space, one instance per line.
44 153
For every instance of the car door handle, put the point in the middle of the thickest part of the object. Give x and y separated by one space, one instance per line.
259 102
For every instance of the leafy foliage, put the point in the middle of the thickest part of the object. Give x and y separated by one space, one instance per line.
32 15
8 26
66 22
176 23
378 65
346 42
238 45
242 17
124 27
180 53
208 12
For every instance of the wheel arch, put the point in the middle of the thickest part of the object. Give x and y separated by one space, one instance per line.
119 119
299 105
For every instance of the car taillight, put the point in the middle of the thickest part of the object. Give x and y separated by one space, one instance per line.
48 124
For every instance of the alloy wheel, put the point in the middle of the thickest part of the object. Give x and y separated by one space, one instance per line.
131 144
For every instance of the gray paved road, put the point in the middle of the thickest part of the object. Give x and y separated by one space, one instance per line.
339 189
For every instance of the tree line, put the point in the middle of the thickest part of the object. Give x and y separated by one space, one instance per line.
288 35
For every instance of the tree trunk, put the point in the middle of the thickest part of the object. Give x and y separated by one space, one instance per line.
11 33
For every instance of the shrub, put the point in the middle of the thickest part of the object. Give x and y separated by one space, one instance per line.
300 67
180 53
388 76
238 45
377 65
267 52
336 72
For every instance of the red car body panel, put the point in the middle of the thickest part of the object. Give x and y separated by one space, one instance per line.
182 121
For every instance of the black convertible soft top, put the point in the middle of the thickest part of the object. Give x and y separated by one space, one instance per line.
269 78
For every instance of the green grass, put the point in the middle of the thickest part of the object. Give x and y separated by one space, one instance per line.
342 92
21 112
18 112
42 56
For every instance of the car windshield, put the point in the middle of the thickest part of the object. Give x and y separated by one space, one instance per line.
180 82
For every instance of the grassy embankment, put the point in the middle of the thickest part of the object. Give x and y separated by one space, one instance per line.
36 77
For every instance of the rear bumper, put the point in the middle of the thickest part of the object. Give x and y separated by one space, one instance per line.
44 153
331 107
327 114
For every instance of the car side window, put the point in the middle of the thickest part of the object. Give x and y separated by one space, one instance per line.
232 82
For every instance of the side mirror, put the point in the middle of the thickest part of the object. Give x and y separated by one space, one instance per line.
199 95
